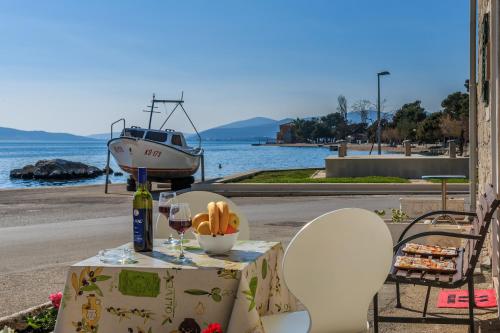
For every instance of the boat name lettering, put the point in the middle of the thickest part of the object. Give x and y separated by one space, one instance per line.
151 152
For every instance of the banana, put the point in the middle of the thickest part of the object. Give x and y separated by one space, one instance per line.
223 216
198 218
213 218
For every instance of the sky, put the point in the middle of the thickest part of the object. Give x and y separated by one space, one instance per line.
76 66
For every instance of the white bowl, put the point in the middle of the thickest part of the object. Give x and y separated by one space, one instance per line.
218 244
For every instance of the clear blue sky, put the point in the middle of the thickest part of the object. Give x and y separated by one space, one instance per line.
77 66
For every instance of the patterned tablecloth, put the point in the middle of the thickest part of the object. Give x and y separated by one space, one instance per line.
154 295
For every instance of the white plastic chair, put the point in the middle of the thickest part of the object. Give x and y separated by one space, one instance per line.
198 201
334 266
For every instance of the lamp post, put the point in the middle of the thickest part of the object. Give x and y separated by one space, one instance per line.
379 128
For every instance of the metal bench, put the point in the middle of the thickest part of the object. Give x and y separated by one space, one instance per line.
465 263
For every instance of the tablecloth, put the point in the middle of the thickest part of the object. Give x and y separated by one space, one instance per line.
155 295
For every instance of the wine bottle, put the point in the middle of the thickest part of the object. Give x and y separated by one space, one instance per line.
143 215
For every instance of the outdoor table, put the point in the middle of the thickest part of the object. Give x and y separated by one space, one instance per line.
444 179
155 295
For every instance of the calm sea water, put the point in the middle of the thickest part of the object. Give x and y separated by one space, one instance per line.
233 157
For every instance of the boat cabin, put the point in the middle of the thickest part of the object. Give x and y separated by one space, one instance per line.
168 136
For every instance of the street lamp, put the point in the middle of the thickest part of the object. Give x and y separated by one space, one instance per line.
379 128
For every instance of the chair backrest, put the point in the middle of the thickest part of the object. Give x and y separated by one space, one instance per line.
335 265
487 205
198 201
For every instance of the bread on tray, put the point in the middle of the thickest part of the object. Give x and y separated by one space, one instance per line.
425 264
432 250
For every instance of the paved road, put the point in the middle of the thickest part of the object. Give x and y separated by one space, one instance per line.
43 232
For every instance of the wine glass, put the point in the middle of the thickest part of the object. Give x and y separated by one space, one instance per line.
180 220
165 200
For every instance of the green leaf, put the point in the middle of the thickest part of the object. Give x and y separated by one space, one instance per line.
247 292
32 324
98 290
102 277
251 306
264 269
217 297
216 290
196 292
253 285
167 320
90 287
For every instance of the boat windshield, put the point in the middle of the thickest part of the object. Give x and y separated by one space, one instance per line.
177 140
132 132
156 136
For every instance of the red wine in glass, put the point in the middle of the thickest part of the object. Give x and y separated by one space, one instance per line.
181 225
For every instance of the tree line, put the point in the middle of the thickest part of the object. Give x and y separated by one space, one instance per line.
410 122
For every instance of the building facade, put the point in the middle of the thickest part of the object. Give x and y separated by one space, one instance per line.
286 133
487 119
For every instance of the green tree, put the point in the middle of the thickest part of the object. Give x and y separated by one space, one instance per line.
304 129
456 108
407 119
429 130
322 132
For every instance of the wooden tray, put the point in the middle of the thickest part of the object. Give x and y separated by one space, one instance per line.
423 264
434 251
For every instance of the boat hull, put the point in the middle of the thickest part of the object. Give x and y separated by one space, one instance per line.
163 162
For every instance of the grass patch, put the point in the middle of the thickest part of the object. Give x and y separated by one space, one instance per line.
450 181
303 176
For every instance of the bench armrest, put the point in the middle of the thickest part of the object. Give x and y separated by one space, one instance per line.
437 212
434 233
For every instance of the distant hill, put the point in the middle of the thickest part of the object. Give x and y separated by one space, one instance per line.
244 130
103 136
259 128
252 122
15 134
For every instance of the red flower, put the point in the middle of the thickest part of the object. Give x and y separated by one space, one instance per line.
56 299
213 328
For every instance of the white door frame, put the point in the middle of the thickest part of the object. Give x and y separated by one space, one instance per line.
495 132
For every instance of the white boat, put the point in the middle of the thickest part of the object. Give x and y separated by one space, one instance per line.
164 152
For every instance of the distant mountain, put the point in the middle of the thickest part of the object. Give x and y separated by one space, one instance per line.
15 134
244 130
252 122
259 128
103 136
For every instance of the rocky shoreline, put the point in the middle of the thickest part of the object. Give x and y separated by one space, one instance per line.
57 169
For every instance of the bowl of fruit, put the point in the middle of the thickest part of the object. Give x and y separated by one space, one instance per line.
216 229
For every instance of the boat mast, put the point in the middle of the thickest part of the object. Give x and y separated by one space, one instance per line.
151 111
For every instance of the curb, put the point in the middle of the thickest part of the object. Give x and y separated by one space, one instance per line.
16 320
325 189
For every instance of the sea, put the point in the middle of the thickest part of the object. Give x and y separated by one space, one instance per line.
222 158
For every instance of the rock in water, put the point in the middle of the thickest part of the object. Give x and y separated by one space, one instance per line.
25 173
56 169
110 170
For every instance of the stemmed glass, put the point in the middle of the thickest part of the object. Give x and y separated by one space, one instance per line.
165 200
180 220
